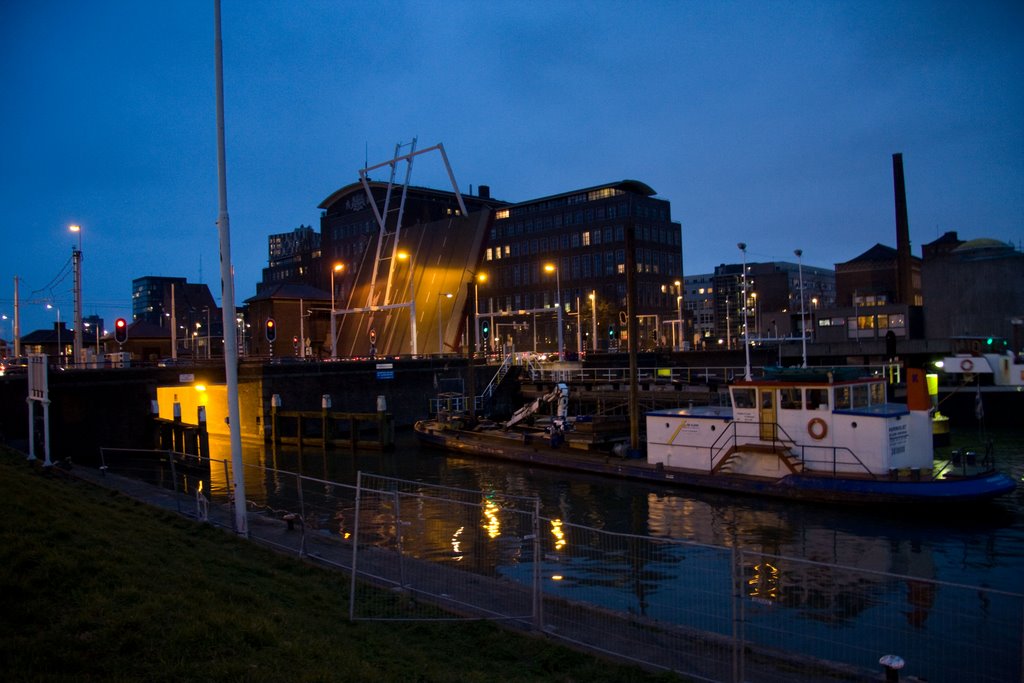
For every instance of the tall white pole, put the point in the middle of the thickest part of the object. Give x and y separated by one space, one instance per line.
803 321
227 285
746 331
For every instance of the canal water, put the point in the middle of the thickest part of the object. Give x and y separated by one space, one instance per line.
974 546
971 547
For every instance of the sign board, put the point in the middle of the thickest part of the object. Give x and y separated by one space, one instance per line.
38 384
186 378
385 371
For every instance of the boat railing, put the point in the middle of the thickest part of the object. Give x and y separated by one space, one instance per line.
499 375
729 441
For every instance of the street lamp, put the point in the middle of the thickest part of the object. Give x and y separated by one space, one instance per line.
60 351
803 323
679 313
480 279
76 259
208 330
550 268
440 336
757 318
406 256
746 331
338 267
593 319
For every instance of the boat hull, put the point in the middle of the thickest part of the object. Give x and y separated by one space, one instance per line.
811 488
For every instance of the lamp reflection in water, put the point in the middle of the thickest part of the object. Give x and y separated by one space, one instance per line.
493 524
457 544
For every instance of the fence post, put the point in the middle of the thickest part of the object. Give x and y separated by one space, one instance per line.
302 516
355 546
174 480
538 596
398 538
737 617
231 493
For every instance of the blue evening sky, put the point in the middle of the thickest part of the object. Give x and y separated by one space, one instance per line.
772 123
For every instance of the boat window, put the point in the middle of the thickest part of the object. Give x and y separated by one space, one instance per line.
817 399
743 398
766 400
842 398
789 398
860 396
877 394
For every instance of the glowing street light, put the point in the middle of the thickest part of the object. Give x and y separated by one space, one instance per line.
338 267
481 278
550 268
440 335
406 256
60 351
593 319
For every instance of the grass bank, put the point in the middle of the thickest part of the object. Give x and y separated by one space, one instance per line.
97 587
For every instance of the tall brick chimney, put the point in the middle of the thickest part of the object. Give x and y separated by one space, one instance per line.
904 271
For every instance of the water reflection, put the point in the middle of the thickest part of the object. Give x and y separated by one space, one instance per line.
615 543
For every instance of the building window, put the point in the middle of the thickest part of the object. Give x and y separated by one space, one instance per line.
501 214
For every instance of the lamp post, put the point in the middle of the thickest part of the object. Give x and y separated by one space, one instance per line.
551 268
803 322
76 259
440 326
728 324
746 331
679 314
60 351
755 307
208 350
593 319
480 279
406 256
338 267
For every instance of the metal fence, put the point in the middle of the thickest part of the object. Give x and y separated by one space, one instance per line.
421 551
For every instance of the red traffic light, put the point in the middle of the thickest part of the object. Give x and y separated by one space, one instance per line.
121 330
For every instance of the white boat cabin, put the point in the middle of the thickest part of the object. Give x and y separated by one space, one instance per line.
797 422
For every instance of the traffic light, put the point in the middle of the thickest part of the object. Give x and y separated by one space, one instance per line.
121 330
271 330
485 329
611 331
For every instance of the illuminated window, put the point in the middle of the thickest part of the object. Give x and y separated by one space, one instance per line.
586 239
501 214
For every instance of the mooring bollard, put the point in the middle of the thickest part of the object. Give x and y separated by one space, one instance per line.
892 665
290 518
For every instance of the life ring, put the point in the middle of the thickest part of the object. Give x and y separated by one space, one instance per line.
966 365
817 428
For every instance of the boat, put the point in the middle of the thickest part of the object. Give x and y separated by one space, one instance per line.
818 435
